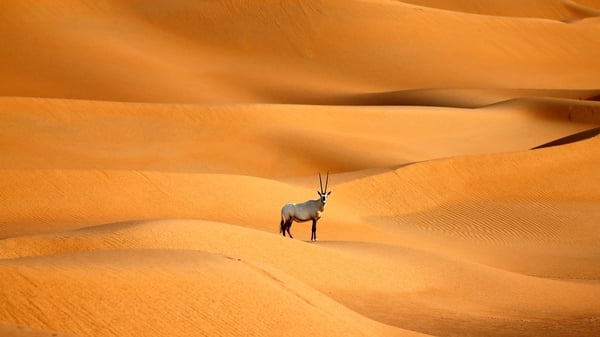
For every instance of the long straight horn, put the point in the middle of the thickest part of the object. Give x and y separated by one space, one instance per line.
326 182
321 182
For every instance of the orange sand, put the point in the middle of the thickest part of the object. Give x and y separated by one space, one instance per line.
147 150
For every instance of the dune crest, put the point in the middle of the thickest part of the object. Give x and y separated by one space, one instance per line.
563 10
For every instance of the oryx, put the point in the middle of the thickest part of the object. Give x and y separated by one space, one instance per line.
305 211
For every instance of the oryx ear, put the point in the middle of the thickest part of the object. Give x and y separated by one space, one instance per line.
328 193
319 193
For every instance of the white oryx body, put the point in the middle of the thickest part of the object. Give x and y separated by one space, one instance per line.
305 211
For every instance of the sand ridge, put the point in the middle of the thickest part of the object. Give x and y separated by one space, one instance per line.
562 10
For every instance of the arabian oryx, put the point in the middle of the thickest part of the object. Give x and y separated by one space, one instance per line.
305 211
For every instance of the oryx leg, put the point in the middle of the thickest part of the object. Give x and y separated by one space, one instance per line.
313 235
288 224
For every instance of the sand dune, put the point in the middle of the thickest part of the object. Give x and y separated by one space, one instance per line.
162 287
433 229
460 98
563 10
309 52
147 149
571 138
271 140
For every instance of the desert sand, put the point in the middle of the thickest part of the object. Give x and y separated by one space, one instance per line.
147 149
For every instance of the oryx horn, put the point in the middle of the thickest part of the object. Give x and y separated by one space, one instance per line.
321 183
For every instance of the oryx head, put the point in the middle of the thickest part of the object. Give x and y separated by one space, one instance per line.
323 193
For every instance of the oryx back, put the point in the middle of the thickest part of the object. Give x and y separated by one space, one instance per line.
301 212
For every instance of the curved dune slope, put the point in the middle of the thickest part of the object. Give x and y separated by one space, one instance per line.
531 213
563 10
270 140
460 98
277 52
572 138
181 293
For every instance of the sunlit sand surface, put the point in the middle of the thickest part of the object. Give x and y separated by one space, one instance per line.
147 150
